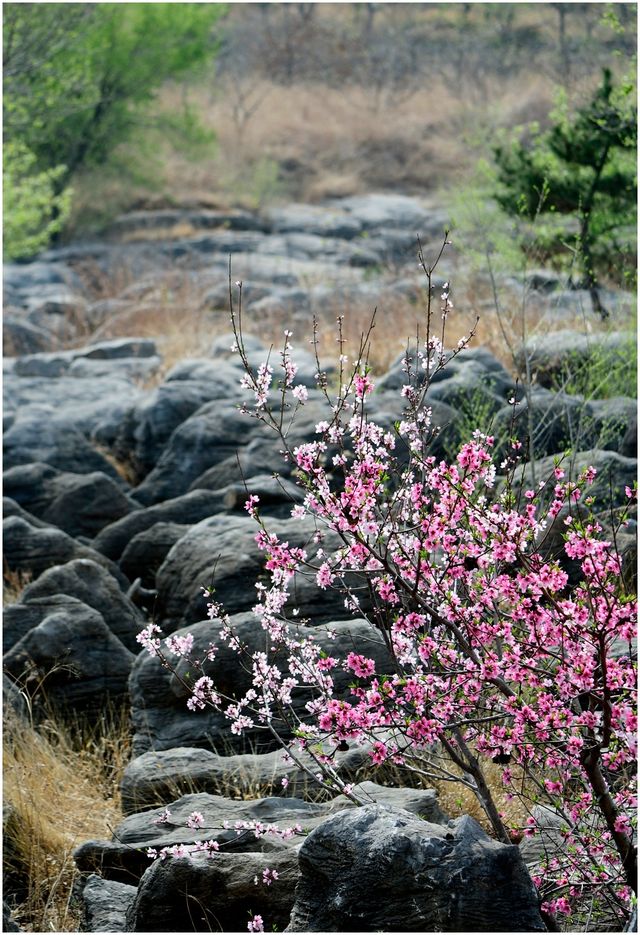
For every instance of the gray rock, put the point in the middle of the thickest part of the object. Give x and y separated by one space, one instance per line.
283 270
613 424
194 251
216 894
190 508
394 211
21 617
222 550
205 370
125 857
121 360
26 277
33 549
91 583
106 903
68 403
32 437
307 246
20 336
28 486
474 371
558 421
471 390
376 869
166 409
146 552
260 456
48 365
160 776
74 657
79 504
84 504
129 368
118 348
320 220
159 711
11 508
215 432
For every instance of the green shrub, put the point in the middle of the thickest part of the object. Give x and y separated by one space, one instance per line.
32 212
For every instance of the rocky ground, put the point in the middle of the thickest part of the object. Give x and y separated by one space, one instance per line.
123 491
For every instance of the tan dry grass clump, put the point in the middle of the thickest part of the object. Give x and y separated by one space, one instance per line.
14 581
60 789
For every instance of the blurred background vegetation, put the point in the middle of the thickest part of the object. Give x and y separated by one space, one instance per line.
109 107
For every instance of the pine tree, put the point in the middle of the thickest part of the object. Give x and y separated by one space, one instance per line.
584 167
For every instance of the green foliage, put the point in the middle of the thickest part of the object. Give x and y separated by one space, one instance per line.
481 228
78 77
579 179
32 213
603 373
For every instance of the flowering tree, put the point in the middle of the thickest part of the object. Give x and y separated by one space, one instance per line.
494 656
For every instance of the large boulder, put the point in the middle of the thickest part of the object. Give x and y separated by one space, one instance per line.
323 221
167 407
105 904
84 504
214 432
91 583
379 211
187 509
166 826
19 618
125 858
614 424
34 437
74 658
378 869
548 422
79 504
159 711
146 552
159 776
198 894
33 548
222 551
553 356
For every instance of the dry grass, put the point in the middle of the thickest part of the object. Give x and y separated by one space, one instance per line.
333 142
309 141
61 789
14 581
172 313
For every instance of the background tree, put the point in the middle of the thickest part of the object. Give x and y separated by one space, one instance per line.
77 77
583 167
